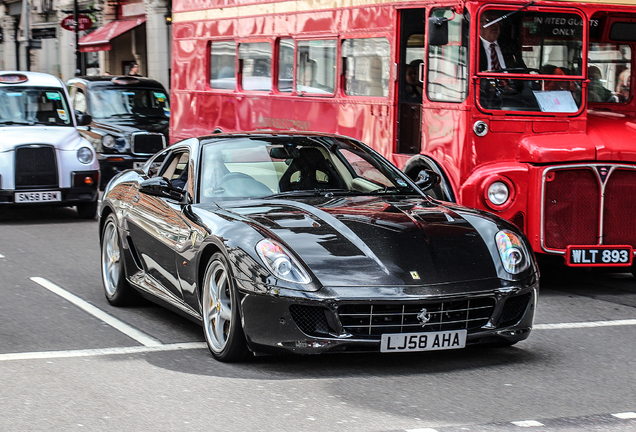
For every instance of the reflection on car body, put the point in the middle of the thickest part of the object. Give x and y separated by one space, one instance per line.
130 119
311 243
43 158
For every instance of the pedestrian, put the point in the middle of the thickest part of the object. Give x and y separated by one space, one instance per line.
134 70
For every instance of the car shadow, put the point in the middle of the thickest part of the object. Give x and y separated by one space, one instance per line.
39 215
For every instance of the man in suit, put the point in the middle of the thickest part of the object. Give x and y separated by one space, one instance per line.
493 55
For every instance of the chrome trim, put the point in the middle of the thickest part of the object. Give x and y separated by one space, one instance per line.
594 167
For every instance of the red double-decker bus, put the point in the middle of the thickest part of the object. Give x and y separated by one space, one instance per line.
539 128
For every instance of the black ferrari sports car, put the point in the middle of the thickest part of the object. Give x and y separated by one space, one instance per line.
311 243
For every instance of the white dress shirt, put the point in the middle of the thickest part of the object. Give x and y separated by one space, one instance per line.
486 45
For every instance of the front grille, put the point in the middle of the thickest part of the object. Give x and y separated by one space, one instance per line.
576 197
35 167
513 310
372 320
146 143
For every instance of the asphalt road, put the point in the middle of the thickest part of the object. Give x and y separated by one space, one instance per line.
71 362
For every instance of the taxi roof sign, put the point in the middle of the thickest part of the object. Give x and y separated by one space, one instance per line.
13 78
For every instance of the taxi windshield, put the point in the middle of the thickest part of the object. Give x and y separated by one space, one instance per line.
116 102
544 51
22 105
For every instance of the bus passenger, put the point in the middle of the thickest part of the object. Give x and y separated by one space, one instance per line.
413 86
596 91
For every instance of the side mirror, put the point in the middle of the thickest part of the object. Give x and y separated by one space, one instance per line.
83 119
161 187
437 31
427 179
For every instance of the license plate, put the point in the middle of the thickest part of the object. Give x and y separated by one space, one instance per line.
430 341
29 197
606 256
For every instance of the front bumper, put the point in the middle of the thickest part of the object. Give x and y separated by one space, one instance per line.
74 195
273 324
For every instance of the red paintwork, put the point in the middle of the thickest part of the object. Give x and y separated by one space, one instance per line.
517 148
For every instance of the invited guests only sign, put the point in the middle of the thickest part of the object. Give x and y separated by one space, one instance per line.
84 22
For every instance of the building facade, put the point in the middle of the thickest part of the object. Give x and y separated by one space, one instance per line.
123 32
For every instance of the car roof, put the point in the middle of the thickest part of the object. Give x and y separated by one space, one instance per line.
38 79
116 80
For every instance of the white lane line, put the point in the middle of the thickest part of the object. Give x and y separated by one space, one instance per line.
422 430
101 351
625 415
129 331
1 256
527 423
577 325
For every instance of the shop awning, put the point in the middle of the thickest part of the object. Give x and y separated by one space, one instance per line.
99 40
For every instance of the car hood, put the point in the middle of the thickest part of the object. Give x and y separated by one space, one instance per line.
132 124
65 138
610 136
346 240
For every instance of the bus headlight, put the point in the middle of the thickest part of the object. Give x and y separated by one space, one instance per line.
498 193
85 155
514 256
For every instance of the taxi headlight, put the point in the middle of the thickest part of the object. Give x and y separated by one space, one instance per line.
108 141
85 155
498 193
512 251
280 262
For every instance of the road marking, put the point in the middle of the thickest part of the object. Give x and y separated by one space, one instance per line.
126 329
625 415
1 256
577 325
422 430
527 423
101 351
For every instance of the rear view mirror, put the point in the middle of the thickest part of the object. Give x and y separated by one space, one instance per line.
161 187
437 31
83 119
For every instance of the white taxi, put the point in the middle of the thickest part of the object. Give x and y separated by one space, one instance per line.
43 158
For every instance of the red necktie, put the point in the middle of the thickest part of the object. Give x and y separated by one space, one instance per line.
494 58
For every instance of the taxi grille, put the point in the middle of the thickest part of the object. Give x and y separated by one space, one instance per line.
372 320
35 167
575 199
144 143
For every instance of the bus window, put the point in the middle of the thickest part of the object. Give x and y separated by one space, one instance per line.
367 66
531 43
609 71
285 65
222 65
316 66
256 72
447 64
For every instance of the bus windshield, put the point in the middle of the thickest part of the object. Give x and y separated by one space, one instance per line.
545 46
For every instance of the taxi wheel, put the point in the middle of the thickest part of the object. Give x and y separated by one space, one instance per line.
87 210
117 290
221 320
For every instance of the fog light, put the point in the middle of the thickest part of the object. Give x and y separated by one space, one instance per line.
88 181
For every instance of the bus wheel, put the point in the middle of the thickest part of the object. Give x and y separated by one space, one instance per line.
441 192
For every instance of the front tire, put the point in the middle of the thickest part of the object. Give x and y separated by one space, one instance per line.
221 319
117 290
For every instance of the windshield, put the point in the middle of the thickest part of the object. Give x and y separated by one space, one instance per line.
542 49
294 166
117 102
21 105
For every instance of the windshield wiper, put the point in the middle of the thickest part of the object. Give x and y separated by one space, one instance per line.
11 122
503 17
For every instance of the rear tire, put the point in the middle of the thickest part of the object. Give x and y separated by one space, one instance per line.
117 290
220 310
87 210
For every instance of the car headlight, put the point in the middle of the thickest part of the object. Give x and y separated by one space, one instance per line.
85 155
280 262
512 251
108 141
498 193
